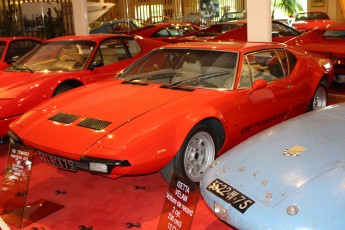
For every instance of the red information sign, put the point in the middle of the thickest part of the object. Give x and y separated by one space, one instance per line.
179 206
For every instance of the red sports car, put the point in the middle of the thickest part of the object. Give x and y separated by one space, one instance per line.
61 64
328 41
12 48
237 31
176 108
309 20
165 32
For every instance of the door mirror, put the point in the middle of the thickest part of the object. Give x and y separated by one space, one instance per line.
96 64
258 84
12 60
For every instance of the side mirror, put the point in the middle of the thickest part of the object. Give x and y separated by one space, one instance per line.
96 64
258 84
12 60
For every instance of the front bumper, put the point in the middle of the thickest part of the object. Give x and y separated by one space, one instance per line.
90 164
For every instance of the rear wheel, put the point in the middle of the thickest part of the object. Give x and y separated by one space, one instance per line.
62 89
320 97
195 155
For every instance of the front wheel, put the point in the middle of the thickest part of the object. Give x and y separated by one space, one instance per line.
195 155
320 97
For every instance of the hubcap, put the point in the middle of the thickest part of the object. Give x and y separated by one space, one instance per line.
320 99
200 152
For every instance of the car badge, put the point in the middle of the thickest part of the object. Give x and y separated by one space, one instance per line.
294 150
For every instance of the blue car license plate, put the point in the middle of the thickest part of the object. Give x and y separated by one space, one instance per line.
230 195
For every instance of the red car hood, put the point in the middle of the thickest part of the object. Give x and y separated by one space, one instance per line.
17 80
311 24
116 104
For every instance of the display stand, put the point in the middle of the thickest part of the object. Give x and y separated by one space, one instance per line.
180 203
14 190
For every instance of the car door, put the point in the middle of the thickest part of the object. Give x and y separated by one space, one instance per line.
262 107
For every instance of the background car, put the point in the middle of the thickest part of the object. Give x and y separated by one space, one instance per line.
293 172
309 20
176 108
119 26
233 15
11 48
328 41
166 32
61 64
237 31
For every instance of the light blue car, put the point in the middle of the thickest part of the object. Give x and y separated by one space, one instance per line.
291 176
116 26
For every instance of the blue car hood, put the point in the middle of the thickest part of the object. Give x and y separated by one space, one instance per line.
285 159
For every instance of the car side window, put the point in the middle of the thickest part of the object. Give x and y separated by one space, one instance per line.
246 79
162 33
133 47
283 30
284 62
111 51
19 48
267 65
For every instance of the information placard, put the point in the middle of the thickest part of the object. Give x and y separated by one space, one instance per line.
14 190
16 178
180 203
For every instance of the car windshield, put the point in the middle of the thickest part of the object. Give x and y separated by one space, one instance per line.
56 56
217 29
2 48
234 15
311 16
185 68
334 34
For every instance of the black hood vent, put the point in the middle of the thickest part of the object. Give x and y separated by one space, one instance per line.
92 123
64 118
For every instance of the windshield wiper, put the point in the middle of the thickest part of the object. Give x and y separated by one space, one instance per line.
153 77
23 67
199 77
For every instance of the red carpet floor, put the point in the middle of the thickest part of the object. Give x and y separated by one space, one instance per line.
93 202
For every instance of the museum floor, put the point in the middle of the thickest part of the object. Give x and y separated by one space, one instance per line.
93 202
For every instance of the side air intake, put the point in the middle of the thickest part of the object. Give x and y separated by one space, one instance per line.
92 123
64 118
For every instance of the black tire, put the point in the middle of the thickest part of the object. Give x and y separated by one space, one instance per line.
320 97
61 89
195 155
